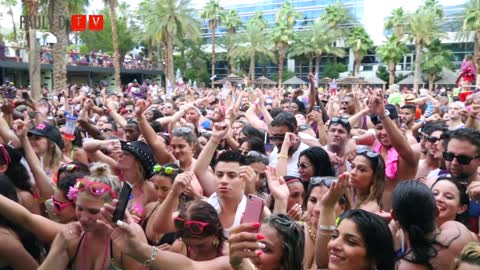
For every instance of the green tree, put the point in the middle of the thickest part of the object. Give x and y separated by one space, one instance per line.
9 4
392 52
434 60
423 26
102 40
212 12
335 15
359 42
232 22
397 21
164 21
282 34
251 44
471 23
322 41
303 46
333 70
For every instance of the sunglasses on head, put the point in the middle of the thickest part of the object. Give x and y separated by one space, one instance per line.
255 154
157 168
59 206
183 130
303 165
343 120
462 159
68 167
303 127
368 153
319 180
194 227
105 129
95 188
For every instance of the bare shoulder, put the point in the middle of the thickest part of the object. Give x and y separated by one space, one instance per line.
454 235
406 265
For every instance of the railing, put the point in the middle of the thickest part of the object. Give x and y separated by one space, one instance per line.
92 59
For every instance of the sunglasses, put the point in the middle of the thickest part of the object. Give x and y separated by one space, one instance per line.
59 206
303 165
368 153
303 127
194 227
129 111
431 139
105 129
341 120
318 180
278 138
157 168
183 130
462 159
95 188
255 154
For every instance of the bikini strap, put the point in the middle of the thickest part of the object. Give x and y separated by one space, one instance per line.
72 260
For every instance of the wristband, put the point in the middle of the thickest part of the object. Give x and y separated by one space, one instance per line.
149 262
283 156
327 228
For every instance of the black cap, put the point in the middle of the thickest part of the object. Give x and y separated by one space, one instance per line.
48 131
143 153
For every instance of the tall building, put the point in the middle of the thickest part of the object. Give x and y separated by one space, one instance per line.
372 14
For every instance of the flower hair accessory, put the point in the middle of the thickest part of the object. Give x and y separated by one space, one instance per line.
72 193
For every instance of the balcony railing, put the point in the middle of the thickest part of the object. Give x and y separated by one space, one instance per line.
92 59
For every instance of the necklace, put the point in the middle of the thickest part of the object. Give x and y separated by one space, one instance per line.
312 234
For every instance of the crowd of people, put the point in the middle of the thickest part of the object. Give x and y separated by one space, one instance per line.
357 178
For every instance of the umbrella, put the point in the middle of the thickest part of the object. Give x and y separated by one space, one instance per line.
264 81
325 80
409 81
233 78
294 81
375 81
350 80
448 77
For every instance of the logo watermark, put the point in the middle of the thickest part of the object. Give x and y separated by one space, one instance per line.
79 22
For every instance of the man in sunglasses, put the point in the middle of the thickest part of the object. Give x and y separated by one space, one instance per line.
285 124
401 161
432 139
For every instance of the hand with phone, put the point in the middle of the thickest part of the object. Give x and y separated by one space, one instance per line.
123 199
253 210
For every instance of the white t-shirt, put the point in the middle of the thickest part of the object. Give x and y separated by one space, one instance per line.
292 169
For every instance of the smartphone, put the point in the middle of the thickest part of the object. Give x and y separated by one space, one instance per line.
253 209
316 108
268 148
119 212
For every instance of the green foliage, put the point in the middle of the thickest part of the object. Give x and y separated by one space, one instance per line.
335 15
358 40
397 21
333 70
83 48
231 20
287 74
282 33
382 73
392 51
102 40
436 58
213 13
423 26
471 18
322 40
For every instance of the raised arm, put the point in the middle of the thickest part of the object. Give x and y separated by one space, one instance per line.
94 147
204 176
7 134
399 142
42 181
162 155
117 117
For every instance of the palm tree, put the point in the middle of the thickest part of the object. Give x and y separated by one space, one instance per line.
434 60
213 13
359 42
33 51
471 23
303 46
232 22
112 4
392 52
423 27
252 43
76 7
59 10
167 20
336 15
322 41
9 4
283 33
397 22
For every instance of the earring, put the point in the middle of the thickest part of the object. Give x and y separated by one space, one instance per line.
216 242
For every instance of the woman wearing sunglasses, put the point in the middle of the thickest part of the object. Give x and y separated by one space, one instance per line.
314 161
367 181
162 180
91 247
360 241
318 188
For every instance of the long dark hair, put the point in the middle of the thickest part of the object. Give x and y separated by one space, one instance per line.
320 161
28 240
376 236
415 209
293 241
463 199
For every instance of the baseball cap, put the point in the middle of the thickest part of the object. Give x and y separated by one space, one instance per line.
48 131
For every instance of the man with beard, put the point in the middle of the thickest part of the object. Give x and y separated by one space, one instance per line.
283 125
338 134
401 162
430 165
407 116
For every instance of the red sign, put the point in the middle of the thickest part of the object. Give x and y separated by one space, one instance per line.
79 22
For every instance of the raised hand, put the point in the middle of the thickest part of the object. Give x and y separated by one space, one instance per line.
336 190
220 130
182 182
290 140
277 185
140 107
21 128
376 105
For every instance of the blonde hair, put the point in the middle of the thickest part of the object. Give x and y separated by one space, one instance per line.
470 255
101 172
53 157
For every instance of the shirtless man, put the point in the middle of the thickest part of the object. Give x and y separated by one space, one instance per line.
430 165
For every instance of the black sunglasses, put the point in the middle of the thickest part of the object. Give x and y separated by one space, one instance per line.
319 180
462 159
277 138
342 120
431 139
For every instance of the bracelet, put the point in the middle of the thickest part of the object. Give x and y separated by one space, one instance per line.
327 228
282 156
149 262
